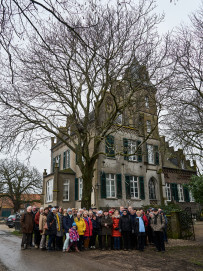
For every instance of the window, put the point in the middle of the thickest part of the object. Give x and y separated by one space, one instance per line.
149 127
150 152
119 119
66 159
180 192
168 192
110 146
146 101
152 189
50 190
80 188
110 186
191 196
182 164
66 190
132 146
56 160
134 190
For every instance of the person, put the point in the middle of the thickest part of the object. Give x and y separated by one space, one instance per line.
115 230
132 216
88 230
121 210
51 224
67 224
158 224
99 218
95 227
59 227
165 228
81 227
36 227
106 223
125 228
42 222
73 237
34 211
27 225
140 230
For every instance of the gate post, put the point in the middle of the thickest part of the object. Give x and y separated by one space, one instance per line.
175 225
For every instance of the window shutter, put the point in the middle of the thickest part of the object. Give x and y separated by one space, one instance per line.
110 146
156 154
127 187
186 194
125 148
54 162
174 187
76 188
142 192
64 160
119 186
59 161
139 153
103 185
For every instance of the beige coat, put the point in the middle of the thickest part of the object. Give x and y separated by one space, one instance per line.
160 223
42 221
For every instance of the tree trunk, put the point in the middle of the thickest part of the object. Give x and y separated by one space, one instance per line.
87 177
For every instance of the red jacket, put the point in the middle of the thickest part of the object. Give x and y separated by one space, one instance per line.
145 220
116 233
88 231
37 218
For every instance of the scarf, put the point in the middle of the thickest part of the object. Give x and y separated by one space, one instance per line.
58 222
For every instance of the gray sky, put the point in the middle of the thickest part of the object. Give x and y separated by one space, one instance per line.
174 15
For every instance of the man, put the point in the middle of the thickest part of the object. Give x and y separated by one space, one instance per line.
158 225
99 218
51 224
140 230
125 228
34 211
132 216
106 223
27 225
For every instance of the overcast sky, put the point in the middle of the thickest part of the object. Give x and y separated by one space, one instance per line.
175 13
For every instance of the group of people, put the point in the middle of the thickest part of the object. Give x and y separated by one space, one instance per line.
61 229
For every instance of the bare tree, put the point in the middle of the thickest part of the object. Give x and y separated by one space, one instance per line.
184 103
17 181
62 82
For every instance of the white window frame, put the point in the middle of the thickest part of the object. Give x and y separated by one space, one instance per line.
66 187
134 185
150 151
49 190
68 158
146 101
191 196
149 126
168 192
132 146
180 193
111 184
80 184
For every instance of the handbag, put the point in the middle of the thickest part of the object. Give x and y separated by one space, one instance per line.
46 226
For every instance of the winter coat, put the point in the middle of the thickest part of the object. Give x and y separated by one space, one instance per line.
51 223
99 218
160 224
42 221
73 235
59 225
27 223
146 222
95 226
125 223
106 230
136 229
88 230
115 228
133 219
67 223
81 225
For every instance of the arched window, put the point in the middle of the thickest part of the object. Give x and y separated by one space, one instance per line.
152 189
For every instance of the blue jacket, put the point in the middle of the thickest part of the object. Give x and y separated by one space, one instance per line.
67 223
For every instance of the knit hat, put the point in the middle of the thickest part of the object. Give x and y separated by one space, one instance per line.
74 224
69 210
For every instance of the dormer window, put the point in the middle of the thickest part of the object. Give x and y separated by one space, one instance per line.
146 101
182 164
149 127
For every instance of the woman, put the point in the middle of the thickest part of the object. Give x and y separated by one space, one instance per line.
115 230
81 227
88 230
42 222
51 223
59 227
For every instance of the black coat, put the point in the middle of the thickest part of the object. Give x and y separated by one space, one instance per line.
137 225
51 223
133 219
99 218
95 226
67 223
125 223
